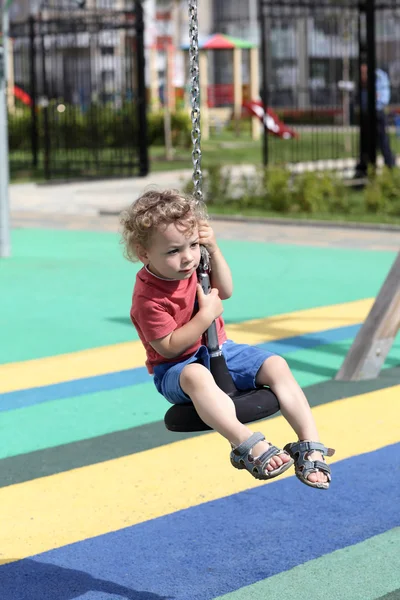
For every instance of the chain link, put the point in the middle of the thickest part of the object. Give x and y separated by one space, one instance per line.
197 176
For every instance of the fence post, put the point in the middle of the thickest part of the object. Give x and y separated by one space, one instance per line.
143 145
33 77
371 63
45 105
264 81
362 117
5 243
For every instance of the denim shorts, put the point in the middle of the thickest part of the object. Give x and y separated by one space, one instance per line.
243 362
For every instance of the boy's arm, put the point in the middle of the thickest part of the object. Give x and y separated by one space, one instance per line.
221 276
180 340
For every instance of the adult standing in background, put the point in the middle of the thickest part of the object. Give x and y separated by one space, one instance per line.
382 101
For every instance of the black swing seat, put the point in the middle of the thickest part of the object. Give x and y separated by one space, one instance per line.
251 405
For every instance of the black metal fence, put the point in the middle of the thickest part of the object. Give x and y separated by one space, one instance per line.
78 98
311 52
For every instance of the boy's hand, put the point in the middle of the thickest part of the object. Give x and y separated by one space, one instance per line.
209 304
207 237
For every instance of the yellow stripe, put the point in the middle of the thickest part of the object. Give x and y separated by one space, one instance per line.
300 322
51 512
67 367
128 355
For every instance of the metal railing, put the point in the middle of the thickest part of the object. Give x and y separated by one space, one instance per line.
78 105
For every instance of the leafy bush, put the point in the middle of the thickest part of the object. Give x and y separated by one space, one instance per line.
99 125
252 193
382 192
277 188
308 195
336 197
20 129
373 198
320 192
217 185
180 128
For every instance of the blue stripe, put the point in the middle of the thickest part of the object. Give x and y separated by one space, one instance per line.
129 377
311 340
218 547
77 387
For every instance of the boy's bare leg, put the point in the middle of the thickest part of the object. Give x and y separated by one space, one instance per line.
276 373
217 410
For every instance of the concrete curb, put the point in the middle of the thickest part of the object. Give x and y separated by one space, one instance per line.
281 221
306 222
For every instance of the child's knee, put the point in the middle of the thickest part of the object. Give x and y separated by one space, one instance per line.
278 362
274 369
192 376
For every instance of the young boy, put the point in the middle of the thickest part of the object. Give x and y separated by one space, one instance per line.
164 230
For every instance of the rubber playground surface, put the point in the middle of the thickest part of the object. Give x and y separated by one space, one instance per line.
98 501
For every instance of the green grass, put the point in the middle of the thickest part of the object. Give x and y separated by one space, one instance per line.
357 212
354 217
229 149
225 148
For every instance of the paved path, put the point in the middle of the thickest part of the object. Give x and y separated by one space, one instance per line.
79 206
281 233
89 197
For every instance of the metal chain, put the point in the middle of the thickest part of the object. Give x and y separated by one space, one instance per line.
197 176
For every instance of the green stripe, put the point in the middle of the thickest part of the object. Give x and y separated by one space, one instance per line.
49 461
83 286
395 595
73 419
42 463
365 571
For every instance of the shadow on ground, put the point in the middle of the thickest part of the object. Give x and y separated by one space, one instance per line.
34 580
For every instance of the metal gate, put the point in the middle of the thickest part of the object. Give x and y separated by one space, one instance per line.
311 52
79 104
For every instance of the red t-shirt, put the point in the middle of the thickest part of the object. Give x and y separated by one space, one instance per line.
159 306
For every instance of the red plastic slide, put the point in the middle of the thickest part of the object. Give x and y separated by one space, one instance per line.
21 95
270 120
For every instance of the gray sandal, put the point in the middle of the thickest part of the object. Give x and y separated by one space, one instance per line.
299 451
241 458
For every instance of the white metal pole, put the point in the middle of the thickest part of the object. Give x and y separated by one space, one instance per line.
5 243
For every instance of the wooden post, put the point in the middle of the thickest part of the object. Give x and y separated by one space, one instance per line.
154 83
169 151
204 113
10 77
254 91
170 58
237 86
376 336
186 91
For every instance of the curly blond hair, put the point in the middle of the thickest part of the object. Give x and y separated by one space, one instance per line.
154 209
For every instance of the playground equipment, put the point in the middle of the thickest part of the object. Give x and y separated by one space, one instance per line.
236 96
217 42
372 344
251 405
270 120
23 96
